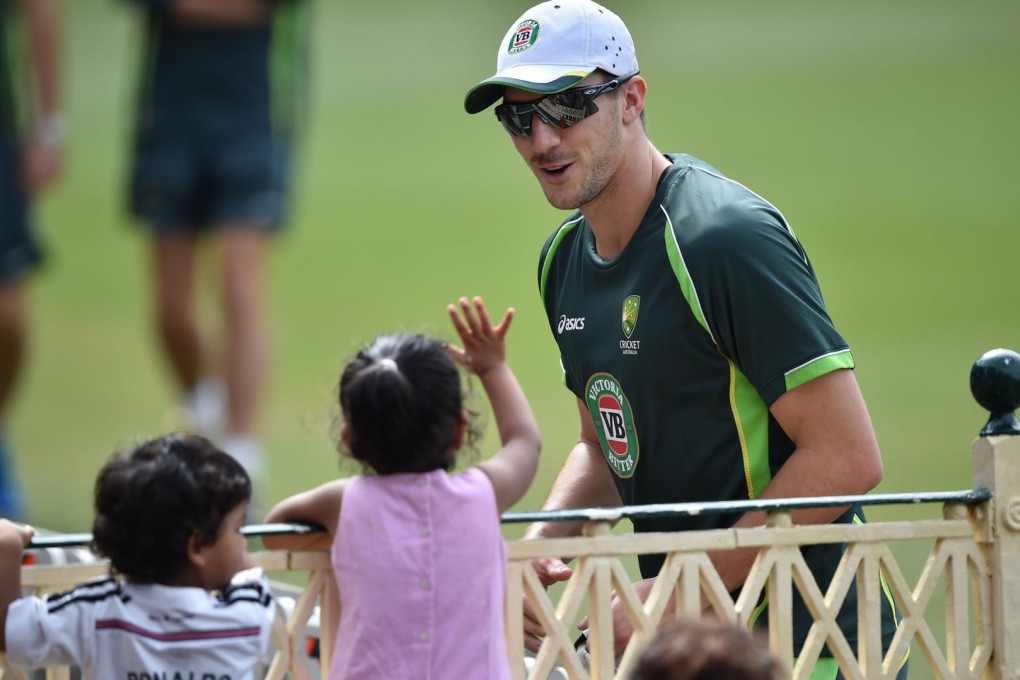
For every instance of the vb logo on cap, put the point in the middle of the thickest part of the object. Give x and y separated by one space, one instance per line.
525 37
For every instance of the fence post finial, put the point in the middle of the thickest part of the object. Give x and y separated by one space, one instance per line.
995 384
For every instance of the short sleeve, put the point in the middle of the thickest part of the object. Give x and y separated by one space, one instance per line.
762 301
250 598
42 635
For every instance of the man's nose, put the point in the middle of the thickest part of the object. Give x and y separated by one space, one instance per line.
544 135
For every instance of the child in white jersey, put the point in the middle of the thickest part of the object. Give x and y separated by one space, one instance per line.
417 551
168 515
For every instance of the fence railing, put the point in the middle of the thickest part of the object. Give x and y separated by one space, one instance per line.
971 565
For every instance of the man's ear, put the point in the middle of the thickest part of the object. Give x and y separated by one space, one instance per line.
634 98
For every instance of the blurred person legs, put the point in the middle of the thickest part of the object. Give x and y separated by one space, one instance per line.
175 256
12 351
244 254
22 167
221 408
31 138
219 97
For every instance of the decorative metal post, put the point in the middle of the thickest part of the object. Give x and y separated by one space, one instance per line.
995 384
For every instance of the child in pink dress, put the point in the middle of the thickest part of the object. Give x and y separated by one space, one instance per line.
417 551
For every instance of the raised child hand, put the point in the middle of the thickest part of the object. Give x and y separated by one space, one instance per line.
484 344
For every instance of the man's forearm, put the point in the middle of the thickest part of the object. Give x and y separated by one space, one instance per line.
800 477
583 482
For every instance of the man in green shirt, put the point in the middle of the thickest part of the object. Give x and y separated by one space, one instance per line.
691 327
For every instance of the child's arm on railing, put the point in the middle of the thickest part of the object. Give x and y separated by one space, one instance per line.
13 539
320 505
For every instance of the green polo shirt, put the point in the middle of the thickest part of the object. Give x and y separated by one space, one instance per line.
679 345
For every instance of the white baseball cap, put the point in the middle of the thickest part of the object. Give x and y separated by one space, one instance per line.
555 45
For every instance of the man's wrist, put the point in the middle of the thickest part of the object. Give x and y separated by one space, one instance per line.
538 530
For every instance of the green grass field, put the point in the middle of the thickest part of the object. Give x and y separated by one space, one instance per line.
886 133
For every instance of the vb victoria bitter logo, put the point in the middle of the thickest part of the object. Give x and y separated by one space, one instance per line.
614 423
524 37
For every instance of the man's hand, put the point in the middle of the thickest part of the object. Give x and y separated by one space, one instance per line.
584 482
549 570
622 627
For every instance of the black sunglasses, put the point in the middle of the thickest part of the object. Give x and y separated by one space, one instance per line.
560 109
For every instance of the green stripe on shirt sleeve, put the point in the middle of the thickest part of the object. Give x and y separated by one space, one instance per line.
818 367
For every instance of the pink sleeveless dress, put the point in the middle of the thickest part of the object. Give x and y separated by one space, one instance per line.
421 567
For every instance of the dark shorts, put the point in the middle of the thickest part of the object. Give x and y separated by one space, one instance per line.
198 179
19 250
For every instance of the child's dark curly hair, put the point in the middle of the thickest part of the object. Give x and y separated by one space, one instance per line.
151 499
402 401
707 649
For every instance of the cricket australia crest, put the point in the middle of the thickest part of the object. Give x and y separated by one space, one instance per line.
631 305
614 423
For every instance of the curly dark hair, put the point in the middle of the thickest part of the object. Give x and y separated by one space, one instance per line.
402 400
707 649
151 499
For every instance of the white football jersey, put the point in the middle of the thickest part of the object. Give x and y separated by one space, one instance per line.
126 631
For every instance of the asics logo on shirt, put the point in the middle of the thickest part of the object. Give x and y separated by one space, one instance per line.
570 324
